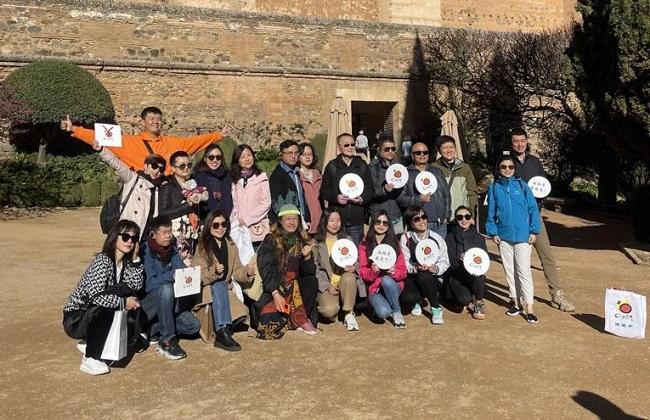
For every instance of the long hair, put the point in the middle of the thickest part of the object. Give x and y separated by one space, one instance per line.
206 240
202 166
389 238
110 243
321 233
282 249
235 168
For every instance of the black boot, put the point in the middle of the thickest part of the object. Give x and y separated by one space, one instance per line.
225 341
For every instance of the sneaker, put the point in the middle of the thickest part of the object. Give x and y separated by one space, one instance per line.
513 311
81 346
350 322
225 341
479 311
154 338
398 320
308 328
417 310
436 316
558 301
93 366
170 349
532 319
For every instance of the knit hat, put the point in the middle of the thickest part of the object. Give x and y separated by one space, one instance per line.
288 210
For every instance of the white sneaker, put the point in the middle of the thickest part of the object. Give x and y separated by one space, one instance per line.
93 366
350 322
417 310
81 346
436 316
398 319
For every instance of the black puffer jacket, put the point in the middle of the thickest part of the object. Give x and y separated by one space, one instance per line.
459 241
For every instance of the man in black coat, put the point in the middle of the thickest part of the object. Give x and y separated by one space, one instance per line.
285 184
353 210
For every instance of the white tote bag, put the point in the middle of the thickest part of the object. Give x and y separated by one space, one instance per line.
187 281
116 341
242 238
625 313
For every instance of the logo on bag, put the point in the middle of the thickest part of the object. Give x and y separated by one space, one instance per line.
624 306
188 280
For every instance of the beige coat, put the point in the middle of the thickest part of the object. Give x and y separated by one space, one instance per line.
236 271
137 208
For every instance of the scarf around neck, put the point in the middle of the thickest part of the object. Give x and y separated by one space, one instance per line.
163 253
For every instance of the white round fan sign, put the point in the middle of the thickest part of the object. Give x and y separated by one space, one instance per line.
540 186
427 252
384 256
476 261
397 175
351 185
426 183
344 253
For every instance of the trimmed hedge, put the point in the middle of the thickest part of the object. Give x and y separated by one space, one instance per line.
62 181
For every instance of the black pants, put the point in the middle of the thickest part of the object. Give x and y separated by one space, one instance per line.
461 286
98 328
309 293
417 286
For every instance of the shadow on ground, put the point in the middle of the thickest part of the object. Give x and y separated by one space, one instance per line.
602 407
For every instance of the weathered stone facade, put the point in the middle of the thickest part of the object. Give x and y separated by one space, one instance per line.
250 62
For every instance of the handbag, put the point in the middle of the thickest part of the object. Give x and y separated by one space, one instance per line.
113 208
259 230
625 313
115 345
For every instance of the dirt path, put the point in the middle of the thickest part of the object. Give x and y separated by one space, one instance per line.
564 367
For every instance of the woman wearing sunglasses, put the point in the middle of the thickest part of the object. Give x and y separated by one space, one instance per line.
212 173
384 286
386 194
140 190
513 222
462 286
112 278
424 280
218 258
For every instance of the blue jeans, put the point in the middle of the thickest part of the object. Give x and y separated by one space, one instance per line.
172 321
439 228
220 305
386 301
355 232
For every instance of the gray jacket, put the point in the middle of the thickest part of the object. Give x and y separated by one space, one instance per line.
382 199
439 207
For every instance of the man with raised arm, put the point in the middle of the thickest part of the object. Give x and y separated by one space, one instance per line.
136 148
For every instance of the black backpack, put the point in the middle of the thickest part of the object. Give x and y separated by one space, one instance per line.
113 208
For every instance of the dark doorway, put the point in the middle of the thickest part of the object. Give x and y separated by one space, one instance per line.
372 118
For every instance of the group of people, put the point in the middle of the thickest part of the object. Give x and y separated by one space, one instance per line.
174 215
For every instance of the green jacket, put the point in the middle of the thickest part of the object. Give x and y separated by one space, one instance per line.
462 184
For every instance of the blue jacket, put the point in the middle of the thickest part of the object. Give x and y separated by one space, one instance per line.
158 273
512 210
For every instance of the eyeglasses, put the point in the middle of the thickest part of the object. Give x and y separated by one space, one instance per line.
214 157
420 152
347 145
217 225
507 167
382 223
466 216
157 166
419 218
184 166
389 149
128 238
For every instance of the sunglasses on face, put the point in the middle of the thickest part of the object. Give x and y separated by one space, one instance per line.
157 166
507 166
217 225
347 145
215 157
389 149
184 166
422 217
128 238
420 153
460 217
382 223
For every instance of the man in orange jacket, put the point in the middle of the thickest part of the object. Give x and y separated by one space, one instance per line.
136 148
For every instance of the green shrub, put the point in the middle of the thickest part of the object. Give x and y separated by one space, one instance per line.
320 141
267 159
228 146
110 187
91 193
